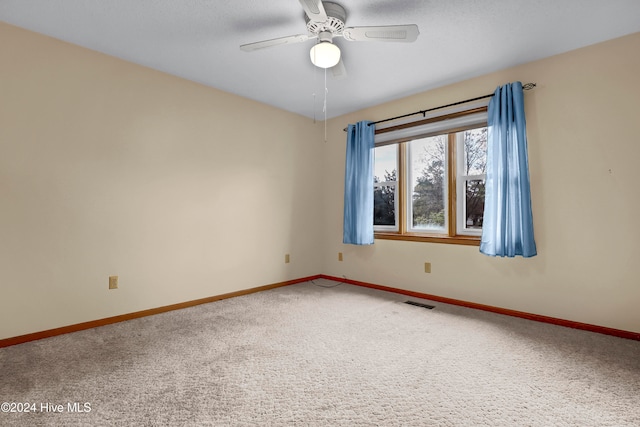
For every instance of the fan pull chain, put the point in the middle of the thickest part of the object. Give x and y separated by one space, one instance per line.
315 86
324 108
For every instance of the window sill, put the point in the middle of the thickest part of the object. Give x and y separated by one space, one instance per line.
415 237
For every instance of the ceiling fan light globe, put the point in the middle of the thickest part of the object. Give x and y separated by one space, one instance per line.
325 55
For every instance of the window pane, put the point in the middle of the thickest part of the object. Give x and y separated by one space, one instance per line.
475 152
384 193
474 204
385 163
384 206
428 181
471 165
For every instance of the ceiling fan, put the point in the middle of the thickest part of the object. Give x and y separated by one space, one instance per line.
326 20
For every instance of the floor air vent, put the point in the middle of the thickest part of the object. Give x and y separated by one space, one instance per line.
419 304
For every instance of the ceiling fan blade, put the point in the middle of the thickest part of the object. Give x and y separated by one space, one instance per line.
250 47
389 33
314 10
339 71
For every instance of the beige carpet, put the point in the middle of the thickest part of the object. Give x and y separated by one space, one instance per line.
309 355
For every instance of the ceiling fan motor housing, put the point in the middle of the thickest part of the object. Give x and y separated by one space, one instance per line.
336 17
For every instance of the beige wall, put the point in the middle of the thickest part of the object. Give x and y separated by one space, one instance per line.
584 149
108 168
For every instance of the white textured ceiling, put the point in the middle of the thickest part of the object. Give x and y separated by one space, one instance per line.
199 40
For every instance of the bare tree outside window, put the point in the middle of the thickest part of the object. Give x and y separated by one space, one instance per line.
475 168
428 166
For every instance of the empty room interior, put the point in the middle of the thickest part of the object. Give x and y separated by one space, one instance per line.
184 163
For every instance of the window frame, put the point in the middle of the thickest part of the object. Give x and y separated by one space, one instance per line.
389 228
461 181
451 235
409 191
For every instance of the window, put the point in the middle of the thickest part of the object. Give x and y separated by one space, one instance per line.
430 178
385 201
471 174
427 170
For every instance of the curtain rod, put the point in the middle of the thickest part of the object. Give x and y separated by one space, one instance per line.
526 86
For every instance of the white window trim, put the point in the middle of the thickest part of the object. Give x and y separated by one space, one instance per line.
461 191
409 201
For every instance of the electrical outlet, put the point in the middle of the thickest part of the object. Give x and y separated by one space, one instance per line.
287 259
339 256
427 267
113 282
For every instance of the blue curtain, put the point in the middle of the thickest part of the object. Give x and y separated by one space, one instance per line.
358 185
507 228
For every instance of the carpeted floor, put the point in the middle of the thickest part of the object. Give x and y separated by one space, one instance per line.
315 355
